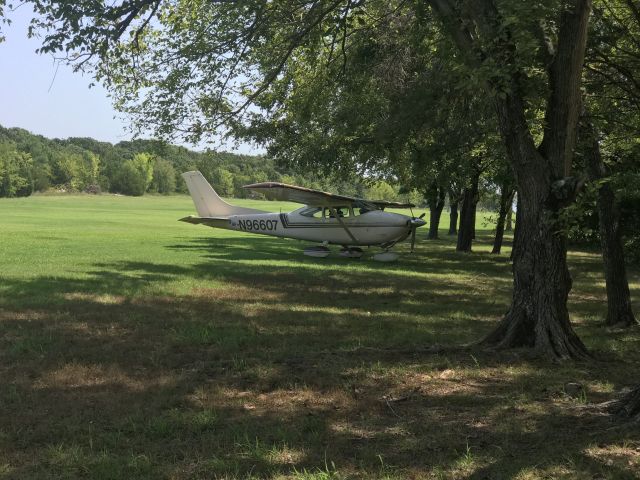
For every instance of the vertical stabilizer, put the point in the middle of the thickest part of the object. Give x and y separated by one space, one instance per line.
207 201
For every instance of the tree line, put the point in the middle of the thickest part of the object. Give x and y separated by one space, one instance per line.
32 163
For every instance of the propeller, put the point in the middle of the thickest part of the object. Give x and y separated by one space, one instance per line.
415 223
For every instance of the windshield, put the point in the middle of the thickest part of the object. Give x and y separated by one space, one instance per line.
359 207
311 212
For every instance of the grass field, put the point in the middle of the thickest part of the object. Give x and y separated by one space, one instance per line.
135 346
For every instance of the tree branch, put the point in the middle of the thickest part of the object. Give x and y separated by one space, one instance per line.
294 43
462 36
564 102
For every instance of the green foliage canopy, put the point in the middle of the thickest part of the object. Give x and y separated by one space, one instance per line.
16 179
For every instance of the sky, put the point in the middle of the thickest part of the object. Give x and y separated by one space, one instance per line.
50 99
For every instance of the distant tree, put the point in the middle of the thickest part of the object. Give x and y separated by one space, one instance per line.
509 219
413 196
619 306
288 179
470 197
15 172
223 181
104 182
435 195
455 192
502 185
507 192
41 177
130 180
64 166
239 180
143 163
609 141
164 177
89 170
381 190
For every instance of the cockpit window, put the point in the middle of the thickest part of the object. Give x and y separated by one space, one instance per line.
346 211
315 212
342 212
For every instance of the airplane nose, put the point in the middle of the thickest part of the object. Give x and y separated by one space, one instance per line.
417 222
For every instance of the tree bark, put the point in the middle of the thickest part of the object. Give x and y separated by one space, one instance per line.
506 197
436 205
538 316
466 232
629 405
619 310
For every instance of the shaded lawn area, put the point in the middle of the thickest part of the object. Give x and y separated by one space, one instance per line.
133 346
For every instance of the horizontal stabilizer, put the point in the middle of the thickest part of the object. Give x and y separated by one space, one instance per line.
218 222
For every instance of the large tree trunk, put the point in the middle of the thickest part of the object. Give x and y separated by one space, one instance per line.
506 197
538 315
619 311
466 232
436 205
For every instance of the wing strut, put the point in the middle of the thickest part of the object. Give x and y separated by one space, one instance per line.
335 214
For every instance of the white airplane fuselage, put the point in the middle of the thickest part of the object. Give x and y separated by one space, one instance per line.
371 228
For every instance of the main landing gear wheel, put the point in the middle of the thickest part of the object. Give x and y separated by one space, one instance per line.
353 252
386 257
317 251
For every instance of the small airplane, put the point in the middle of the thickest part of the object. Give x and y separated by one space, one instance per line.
325 218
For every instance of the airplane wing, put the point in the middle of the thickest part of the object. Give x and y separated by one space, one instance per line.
316 198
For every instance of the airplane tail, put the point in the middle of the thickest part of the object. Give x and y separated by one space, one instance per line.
207 201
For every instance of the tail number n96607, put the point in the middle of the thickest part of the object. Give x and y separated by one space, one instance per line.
256 225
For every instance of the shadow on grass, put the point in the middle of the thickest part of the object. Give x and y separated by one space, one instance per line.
273 366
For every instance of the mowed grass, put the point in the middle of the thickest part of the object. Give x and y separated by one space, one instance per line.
135 346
